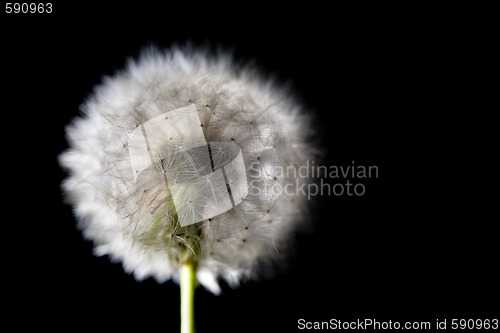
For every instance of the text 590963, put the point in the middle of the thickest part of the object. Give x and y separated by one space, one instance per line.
28 8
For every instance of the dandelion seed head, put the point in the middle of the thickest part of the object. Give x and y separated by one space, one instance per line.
129 214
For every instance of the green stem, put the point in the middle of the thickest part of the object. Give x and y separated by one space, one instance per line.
187 283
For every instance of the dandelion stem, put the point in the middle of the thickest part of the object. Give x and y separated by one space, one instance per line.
187 283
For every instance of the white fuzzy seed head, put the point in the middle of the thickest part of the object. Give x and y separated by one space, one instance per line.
132 218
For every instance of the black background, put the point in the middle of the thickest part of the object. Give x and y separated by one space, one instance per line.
402 88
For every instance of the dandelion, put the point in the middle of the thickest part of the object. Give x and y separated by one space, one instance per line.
170 170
